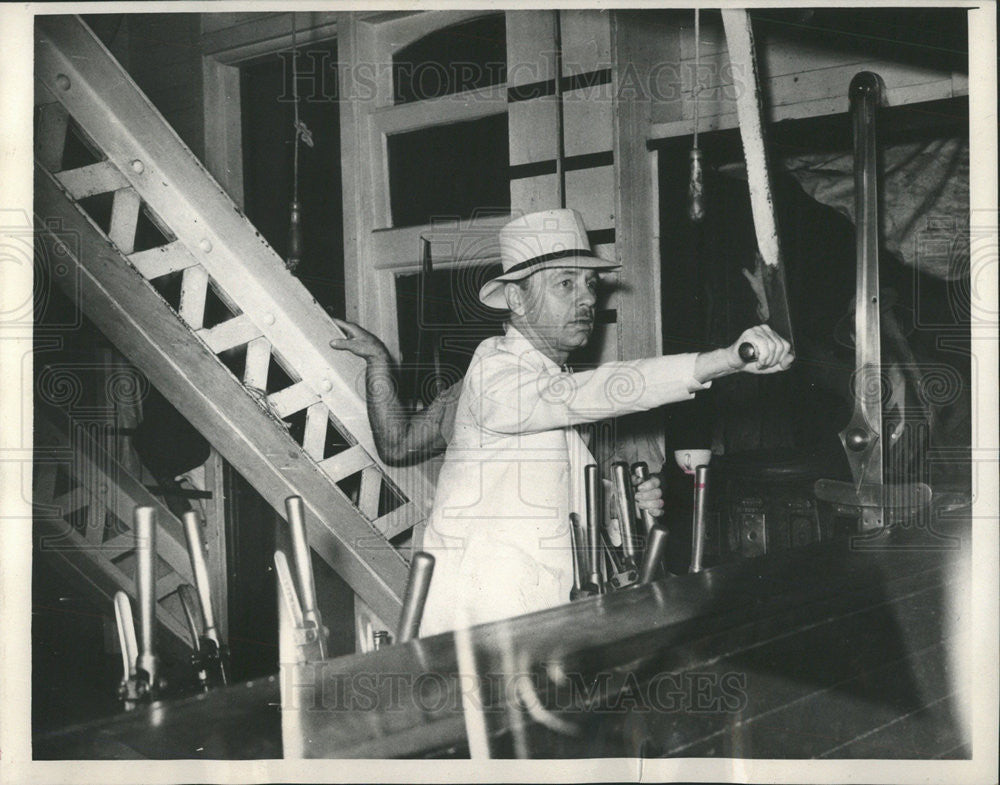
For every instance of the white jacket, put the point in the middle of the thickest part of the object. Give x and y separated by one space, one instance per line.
499 529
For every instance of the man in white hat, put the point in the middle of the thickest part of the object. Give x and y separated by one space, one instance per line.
513 471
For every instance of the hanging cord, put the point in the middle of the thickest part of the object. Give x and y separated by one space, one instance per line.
696 191
301 132
560 121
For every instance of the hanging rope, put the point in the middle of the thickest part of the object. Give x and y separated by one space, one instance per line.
302 133
696 188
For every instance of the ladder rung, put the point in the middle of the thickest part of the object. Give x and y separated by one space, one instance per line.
194 293
166 259
233 332
99 178
258 363
292 399
398 521
314 439
370 491
344 464
124 219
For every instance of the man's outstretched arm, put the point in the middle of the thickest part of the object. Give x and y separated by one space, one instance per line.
401 436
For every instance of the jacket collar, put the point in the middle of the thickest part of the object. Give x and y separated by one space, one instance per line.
515 342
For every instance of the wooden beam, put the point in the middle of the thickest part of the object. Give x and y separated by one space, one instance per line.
133 315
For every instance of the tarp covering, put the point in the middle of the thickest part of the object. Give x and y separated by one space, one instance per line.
925 207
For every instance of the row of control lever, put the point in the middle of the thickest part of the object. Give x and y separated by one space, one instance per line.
142 681
598 564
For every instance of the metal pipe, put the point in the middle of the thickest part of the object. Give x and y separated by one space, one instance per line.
145 578
199 567
185 594
421 572
578 577
300 551
593 485
656 546
126 633
626 510
698 531
303 568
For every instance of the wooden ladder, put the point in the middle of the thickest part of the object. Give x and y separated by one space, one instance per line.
259 381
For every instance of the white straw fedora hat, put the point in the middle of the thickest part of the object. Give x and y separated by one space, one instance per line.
539 241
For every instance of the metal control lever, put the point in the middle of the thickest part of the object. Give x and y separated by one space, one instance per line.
641 470
594 488
140 681
303 568
698 523
211 657
186 595
656 546
147 663
417 586
306 634
581 586
626 519
132 690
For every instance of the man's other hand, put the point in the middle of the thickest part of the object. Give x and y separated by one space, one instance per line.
648 495
359 341
773 352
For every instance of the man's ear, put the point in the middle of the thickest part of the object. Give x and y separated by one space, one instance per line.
515 298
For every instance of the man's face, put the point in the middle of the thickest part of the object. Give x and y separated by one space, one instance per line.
559 306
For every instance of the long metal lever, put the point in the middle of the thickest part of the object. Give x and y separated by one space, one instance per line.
862 436
303 568
626 512
132 688
214 659
593 484
145 571
421 572
656 546
126 633
199 566
700 510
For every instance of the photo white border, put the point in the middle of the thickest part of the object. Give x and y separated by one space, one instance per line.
16 86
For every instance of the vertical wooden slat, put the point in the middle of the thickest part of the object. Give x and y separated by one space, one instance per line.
257 364
124 219
194 291
50 135
314 440
368 496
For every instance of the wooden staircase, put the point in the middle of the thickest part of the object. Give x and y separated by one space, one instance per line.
207 310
